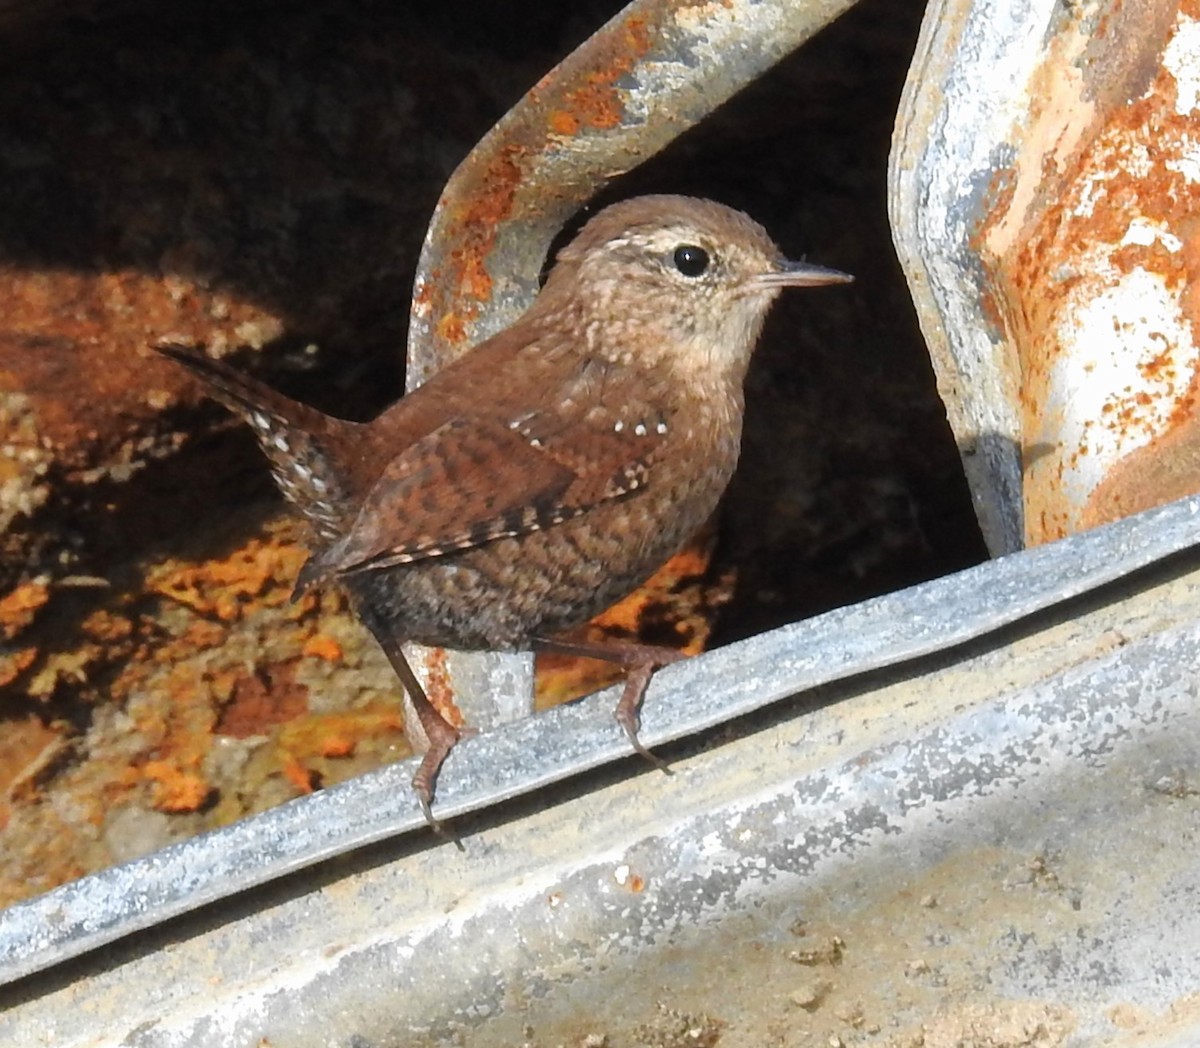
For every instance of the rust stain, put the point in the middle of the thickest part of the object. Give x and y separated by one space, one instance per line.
423 293
466 283
29 750
76 346
438 689
1000 194
1187 228
563 123
1167 468
567 101
323 646
596 103
262 700
1073 245
452 328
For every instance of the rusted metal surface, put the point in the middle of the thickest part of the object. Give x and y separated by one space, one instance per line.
1045 178
641 80
1095 250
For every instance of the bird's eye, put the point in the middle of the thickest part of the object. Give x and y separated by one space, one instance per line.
690 260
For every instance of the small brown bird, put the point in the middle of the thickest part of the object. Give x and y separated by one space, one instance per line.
545 474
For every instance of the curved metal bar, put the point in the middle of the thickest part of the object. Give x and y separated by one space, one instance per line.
683 699
960 105
640 81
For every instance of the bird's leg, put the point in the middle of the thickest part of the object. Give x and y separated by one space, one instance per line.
440 733
639 661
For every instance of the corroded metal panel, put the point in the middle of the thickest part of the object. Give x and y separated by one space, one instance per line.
1044 182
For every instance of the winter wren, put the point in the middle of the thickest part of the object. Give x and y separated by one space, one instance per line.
550 470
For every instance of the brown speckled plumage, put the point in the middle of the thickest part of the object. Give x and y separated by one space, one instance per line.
542 476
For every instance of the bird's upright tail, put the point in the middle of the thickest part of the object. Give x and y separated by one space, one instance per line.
300 442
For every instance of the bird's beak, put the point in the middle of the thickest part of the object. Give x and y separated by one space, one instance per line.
798 274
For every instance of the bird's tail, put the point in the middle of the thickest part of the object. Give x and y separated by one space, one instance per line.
300 442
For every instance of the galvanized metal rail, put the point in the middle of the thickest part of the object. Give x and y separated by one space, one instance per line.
1037 788
487 769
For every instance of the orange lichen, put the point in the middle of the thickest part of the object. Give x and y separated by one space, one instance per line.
323 646
176 789
19 607
108 627
338 734
673 601
337 746
14 663
304 779
203 634
259 573
628 615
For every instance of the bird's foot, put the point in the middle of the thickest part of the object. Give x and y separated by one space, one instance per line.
443 737
640 661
